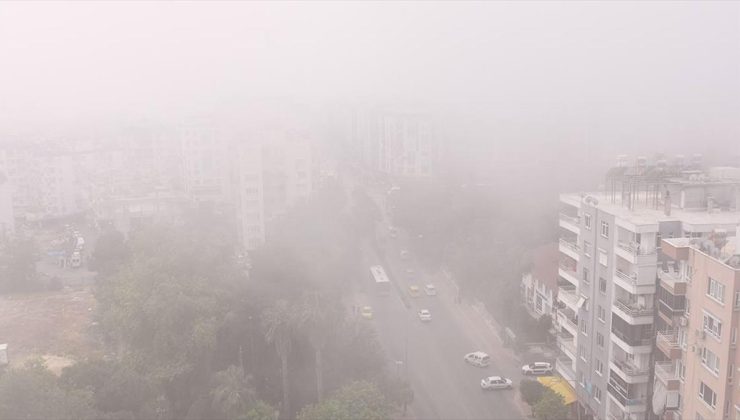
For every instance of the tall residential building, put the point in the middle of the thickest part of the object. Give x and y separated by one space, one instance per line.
699 309
396 143
608 274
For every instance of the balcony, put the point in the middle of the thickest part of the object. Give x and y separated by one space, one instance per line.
568 273
667 342
632 253
634 283
674 281
632 313
568 296
570 223
569 248
628 403
631 373
631 345
565 321
567 345
667 372
564 367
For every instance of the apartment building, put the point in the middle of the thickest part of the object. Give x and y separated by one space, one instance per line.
540 285
608 274
696 368
396 143
7 220
44 182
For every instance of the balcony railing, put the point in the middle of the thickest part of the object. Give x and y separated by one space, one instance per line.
666 371
566 344
563 318
564 366
632 278
638 341
568 269
634 248
570 245
570 219
617 392
668 339
630 368
632 309
568 296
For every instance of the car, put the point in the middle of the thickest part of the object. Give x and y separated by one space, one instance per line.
425 315
366 312
404 254
414 291
537 368
430 290
478 358
496 382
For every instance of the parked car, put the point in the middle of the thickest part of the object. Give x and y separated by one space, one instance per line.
366 312
414 291
537 368
430 290
478 358
404 254
425 315
495 382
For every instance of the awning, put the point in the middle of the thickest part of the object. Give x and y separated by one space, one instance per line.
580 303
560 386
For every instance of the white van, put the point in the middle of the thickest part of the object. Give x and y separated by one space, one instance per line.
478 358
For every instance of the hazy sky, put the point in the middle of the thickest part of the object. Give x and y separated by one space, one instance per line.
626 70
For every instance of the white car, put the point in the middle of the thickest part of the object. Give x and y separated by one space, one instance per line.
430 290
537 368
425 315
496 382
478 358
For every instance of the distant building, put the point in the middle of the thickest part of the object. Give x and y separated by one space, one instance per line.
540 285
7 220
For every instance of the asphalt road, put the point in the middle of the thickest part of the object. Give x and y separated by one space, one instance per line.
430 355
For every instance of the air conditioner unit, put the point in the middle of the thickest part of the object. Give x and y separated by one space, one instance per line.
682 321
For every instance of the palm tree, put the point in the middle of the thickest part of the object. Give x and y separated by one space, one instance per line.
319 315
232 392
279 323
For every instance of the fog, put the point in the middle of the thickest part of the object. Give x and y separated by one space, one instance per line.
309 210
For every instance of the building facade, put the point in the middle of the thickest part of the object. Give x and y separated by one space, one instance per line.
608 274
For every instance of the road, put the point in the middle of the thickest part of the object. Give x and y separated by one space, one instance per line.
430 355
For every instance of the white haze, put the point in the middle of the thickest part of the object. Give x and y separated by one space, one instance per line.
613 75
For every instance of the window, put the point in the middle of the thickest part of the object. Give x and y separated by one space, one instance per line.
737 300
707 395
681 370
605 229
586 275
732 369
587 220
597 394
603 259
599 367
602 285
587 248
712 325
583 326
716 290
710 360
602 314
581 353
599 339
733 336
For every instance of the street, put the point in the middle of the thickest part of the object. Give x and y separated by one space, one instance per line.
430 355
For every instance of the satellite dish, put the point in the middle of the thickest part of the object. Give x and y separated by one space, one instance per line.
660 399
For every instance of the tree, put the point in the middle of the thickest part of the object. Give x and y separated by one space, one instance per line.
397 391
18 266
550 407
319 315
531 391
260 410
111 251
33 393
279 324
231 392
358 400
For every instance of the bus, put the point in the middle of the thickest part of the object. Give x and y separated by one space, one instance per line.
382 284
